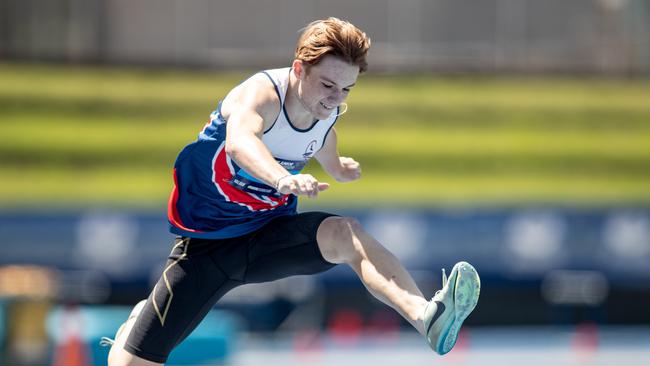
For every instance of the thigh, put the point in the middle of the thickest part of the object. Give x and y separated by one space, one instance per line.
187 289
286 246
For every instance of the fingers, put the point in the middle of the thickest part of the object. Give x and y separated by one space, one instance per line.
356 174
349 163
301 185
323 186
352 169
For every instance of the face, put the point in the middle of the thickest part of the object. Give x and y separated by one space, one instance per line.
326 85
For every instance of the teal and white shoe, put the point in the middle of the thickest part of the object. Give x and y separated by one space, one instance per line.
450 306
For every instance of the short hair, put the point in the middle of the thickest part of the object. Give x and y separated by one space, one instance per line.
335 37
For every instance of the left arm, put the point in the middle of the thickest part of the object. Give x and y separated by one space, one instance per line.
341 168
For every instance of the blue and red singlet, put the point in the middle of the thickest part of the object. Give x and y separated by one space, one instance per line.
213 198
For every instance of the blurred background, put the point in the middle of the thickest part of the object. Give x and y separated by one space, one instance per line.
512 134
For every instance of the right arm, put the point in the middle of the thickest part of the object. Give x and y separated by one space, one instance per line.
249 109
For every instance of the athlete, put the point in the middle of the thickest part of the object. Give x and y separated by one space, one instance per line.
233 206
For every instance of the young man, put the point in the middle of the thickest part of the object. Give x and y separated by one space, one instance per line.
234 206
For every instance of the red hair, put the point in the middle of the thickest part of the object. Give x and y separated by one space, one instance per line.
334 37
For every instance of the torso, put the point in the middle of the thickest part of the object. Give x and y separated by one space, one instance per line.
213 197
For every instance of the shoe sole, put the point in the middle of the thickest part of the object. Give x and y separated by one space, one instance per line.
466 293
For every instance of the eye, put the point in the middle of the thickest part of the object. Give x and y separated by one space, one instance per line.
328 86
347 90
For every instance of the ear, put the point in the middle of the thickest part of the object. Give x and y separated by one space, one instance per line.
298 68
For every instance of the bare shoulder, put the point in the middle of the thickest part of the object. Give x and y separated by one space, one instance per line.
256 94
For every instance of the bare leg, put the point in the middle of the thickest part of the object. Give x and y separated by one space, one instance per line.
343 240
118 356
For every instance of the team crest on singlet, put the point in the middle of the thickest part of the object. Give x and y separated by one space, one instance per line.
309 151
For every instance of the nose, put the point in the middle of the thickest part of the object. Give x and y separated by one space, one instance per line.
336 96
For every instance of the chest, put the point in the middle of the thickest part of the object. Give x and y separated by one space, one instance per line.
286 142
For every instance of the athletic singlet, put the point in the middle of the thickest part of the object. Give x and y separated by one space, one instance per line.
213 198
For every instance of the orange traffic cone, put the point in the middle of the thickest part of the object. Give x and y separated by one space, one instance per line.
70 349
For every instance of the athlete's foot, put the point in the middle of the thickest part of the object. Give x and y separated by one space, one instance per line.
445 313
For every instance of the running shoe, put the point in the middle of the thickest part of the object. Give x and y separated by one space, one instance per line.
450 306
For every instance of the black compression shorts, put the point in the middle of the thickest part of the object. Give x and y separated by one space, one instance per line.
200 271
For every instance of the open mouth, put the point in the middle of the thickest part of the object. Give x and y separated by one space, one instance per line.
326 106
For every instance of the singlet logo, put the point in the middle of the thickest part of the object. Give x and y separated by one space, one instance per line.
309 151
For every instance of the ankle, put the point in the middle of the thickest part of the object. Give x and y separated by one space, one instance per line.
417 316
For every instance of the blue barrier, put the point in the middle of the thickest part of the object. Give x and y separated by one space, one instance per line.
526 253
505 243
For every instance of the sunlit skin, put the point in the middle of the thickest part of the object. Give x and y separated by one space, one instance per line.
313 93
316 90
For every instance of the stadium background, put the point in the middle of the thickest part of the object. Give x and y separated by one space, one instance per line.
513 134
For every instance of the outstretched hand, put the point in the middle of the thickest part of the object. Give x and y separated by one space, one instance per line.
301 185
350 169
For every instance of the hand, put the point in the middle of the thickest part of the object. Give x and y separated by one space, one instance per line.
350 170
301 185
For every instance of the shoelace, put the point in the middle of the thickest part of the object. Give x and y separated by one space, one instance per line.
106 342
444 280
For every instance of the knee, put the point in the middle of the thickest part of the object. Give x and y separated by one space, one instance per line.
338 239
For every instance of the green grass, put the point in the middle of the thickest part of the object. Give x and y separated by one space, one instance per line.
109 136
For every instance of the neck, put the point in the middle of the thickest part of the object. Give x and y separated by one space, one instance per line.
296 109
